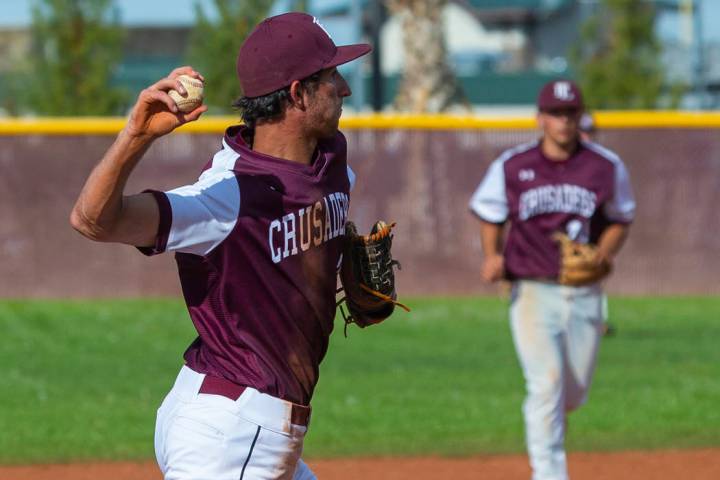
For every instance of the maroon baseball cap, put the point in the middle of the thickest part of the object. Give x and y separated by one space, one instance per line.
288 47
560 94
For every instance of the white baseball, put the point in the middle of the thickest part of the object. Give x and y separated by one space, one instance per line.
194 98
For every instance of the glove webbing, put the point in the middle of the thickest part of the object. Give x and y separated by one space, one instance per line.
378 269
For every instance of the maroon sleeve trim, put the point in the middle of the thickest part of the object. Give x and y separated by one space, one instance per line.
161 238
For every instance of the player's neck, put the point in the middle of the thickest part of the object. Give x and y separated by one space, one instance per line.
557 152
278 141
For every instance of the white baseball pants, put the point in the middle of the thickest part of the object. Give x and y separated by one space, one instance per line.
556 331
200 436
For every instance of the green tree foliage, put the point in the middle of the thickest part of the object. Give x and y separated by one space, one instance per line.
12 93
618 57
76 46
214 45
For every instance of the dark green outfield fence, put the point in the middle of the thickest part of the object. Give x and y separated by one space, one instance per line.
418 171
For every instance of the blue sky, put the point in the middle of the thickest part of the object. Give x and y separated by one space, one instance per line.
174 12
133 12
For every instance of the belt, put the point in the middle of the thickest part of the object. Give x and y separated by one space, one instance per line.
300 414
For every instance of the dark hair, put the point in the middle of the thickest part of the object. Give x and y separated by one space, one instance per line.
271 105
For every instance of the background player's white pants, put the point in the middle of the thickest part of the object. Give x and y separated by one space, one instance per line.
209 437
556 330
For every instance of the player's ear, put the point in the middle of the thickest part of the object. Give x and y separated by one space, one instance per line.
540 119
296 95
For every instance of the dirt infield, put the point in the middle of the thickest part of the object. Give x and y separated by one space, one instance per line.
701 464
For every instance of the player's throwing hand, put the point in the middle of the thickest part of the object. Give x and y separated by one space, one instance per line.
155 113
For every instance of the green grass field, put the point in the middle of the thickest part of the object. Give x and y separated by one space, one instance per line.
82 380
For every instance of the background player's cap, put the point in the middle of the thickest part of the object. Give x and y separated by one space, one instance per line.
288 47
560 94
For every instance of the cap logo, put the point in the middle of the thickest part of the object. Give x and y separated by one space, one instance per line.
317 22
562 91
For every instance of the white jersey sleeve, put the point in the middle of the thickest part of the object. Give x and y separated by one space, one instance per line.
351 177
203 214
197 218
621 207
489 201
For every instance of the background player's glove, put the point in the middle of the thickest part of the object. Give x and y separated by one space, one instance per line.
367 275
579 263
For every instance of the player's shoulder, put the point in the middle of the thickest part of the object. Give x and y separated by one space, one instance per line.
519 156
601 153
222 162
517 153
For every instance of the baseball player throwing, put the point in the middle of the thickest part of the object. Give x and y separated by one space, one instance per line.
556 194
257 241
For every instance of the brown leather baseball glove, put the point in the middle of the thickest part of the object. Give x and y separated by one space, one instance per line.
367 275
579 264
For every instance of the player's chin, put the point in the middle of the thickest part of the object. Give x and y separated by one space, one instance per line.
330 129
566 139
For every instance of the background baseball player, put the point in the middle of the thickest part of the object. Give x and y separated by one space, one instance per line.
557 185
257 242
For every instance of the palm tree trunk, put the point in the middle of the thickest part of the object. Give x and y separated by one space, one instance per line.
428 84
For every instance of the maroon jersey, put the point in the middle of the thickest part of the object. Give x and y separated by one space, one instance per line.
258 242
538 196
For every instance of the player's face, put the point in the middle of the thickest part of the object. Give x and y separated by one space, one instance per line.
560 125
325 103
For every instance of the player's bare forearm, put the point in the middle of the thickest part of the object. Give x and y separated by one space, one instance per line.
491 236
611 241
102 213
